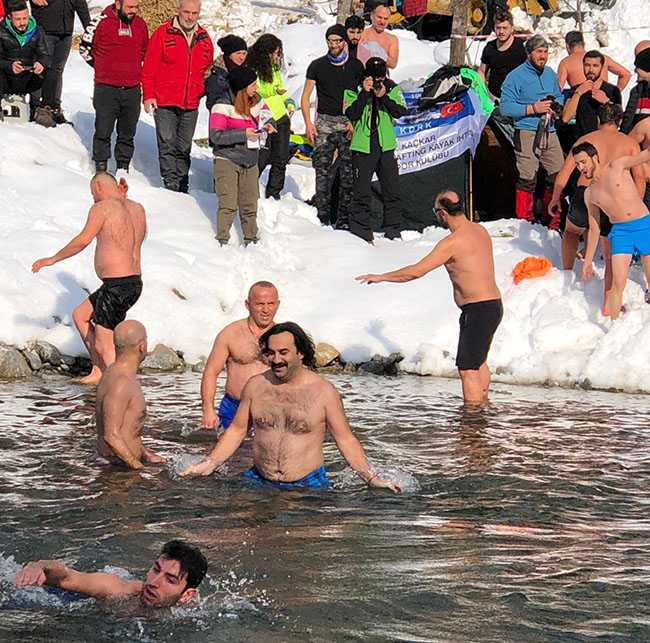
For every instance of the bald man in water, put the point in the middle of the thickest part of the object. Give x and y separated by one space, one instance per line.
120 409
467 255
237 348
119 225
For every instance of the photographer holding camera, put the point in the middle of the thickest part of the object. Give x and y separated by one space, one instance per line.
371 111
531 96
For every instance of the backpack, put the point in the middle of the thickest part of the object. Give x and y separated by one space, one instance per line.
443 86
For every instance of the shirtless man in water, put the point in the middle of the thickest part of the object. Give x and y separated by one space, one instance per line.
613 191
290 407
120 409
614 144
467 255
237 347
172 579
379 18
119 226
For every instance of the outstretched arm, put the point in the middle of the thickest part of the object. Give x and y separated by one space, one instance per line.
216 361
75 246
56 574
593 234
349 445
628 162
436 258
229 442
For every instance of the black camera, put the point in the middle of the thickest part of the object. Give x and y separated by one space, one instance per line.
377 83
556 107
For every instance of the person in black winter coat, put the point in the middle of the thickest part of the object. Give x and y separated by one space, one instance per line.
637 104
24 57
234 51
56 17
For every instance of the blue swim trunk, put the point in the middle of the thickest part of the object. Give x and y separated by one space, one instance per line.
317 479
227 410
631 237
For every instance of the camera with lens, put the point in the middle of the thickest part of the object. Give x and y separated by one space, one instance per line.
556 107
376 69
377 83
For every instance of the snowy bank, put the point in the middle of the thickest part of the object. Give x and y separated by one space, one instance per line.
552 329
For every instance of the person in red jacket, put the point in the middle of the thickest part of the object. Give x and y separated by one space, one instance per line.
178 56
115 43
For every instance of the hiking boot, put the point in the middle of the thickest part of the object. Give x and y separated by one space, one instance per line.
43 116
59 117
101 166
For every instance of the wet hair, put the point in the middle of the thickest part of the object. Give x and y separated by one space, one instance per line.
594 53
354 22
303 342
454 208
260 284
503 15
610 113
259 56
573 39
190 559
585 147
15 5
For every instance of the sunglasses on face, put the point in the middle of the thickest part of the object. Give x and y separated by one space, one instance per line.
335 41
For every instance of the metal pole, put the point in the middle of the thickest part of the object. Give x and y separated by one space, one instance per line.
458 33
579 7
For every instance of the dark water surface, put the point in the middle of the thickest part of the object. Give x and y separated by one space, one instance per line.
531 524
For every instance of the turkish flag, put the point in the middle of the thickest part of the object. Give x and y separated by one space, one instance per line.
451 109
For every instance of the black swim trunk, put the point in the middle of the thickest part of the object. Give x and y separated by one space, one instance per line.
114 298
579 215
478 323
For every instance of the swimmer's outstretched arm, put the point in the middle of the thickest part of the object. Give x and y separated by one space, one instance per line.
442 252
56 574
229 442
628 162
348 444
93 225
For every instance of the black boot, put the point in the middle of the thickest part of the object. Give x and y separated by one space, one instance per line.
101 166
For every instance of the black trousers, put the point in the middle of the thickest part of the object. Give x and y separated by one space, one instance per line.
60 48
115 104
174 130
276 153
26 83
363 167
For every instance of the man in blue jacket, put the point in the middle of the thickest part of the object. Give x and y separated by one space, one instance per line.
531 95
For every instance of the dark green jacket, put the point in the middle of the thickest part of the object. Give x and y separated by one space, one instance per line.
357 106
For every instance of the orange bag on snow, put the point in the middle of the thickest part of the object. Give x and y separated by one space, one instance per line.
531 267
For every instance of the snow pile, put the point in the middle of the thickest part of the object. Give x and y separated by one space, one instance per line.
552 328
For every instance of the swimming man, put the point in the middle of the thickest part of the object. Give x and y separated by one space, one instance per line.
612 189
290 408
120 408
119 226
237 347
172 579
467 255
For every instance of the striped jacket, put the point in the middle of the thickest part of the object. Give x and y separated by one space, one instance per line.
228 131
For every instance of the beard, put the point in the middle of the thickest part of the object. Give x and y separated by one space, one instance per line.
125 18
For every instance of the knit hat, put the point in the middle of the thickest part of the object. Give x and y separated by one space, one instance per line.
230 44
240 78
642 60
375 67
535 42
336 30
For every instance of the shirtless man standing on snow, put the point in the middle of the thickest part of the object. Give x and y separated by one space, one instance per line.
379 18
613 144
237 347
120 408
120 227
467 255
613 191
290 407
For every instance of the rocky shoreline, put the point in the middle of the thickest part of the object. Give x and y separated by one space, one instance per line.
40 357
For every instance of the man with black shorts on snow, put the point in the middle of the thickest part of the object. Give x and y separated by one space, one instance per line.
467 255
120 226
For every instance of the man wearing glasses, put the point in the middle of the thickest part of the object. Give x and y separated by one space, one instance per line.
467 255
331 74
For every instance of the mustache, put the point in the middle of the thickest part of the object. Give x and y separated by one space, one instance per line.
275 365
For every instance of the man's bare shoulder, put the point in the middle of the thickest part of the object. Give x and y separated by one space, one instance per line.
116 383
232 330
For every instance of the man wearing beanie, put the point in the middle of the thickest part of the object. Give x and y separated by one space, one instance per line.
179 53
529 95
331 74
234 50
372 109
638 105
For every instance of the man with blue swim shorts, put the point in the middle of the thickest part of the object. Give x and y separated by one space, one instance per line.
172 579
237 348
291 408
613 191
